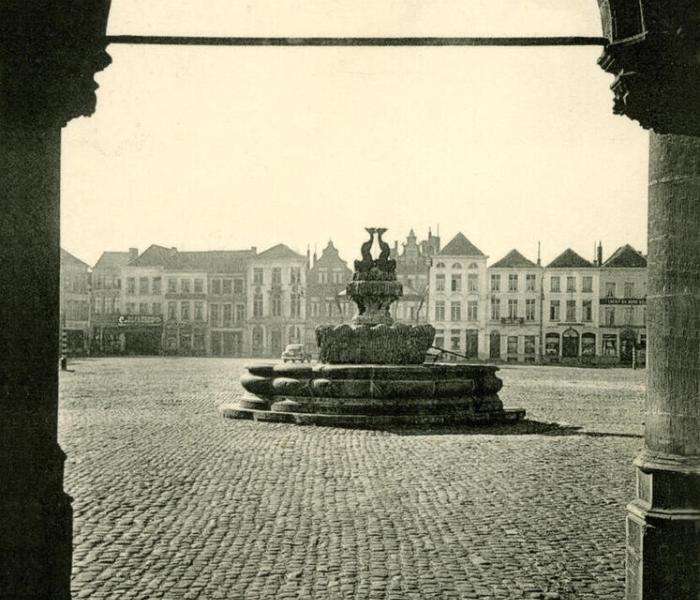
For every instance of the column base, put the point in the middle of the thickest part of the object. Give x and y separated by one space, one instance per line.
663 535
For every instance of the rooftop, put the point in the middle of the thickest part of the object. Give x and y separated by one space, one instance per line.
459 245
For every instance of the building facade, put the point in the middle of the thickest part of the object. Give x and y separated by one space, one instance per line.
327 303
458 284
75 305
622 312
106 334
514 320
413 272
277 300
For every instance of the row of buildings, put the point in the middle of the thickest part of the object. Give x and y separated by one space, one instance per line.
250 303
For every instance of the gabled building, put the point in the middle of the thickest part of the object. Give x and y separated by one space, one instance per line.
622 298
75 304
514 321
413 272
277 300
106 302
457 299
570 307
326 301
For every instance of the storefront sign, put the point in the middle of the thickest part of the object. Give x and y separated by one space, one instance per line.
624 301
150 320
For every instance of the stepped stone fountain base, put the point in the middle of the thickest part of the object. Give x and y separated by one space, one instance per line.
372 395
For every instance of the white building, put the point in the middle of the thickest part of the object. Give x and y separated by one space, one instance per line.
514 319
457 300
570 307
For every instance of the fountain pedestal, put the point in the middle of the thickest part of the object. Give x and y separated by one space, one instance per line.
372 372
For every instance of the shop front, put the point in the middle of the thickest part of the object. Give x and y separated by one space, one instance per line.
137 335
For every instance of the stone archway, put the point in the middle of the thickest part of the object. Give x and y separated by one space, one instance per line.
49 53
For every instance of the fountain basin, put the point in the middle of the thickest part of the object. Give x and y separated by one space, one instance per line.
372 395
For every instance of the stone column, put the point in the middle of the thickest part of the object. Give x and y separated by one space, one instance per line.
654 53
663 523
48 56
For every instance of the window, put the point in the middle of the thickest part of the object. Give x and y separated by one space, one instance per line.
440 282
571 310
315 309
456 285
322 276
228 315
143 286
439 340
185 286
227 287
587 312
473 282
240 312
329 308
157 288
143 308
529 345
295 306
238 285
98 305
644 315
257 276
554 310
130 308
530 282
495 309
198 286
530 309
216 287
276 306
554 284
588 283
495 282
295 275
258 305
214 314
199 311
512 347
130 285
456 311
172 309
609 344
629 289
184 311
628 315
609 315
440 265
513 282
588 344
156 308
472 310
455 338
551 345
571 284
440 310
172 285
609 289
276 276
456 265
512 308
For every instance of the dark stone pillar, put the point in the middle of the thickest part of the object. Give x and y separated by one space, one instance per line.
49 53
663 523
35 530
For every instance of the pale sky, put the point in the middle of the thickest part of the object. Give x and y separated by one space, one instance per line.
227 148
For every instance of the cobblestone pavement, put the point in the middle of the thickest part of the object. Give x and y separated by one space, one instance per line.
173 502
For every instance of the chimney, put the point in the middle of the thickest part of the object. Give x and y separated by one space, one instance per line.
254 249
600 254
539 258
172 251
133 253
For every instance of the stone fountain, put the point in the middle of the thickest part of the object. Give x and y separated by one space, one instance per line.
372 372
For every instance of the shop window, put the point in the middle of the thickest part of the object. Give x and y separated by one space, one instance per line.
551 345
588 344
609 345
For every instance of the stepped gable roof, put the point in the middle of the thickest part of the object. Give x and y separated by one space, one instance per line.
110 260
569 259
280 251
626 256
513 260
459 245
67 257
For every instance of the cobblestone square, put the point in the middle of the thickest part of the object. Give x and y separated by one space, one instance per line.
173 502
